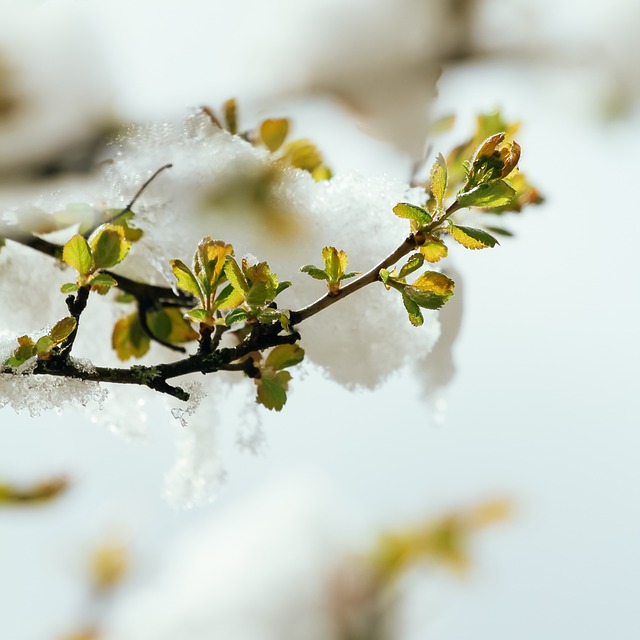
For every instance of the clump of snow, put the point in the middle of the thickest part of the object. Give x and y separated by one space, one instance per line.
360 340
37 394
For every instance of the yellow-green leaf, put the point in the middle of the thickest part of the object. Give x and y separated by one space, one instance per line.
413 310
209 261
43 347
321 172
63 329
169 325
273 132
186 280
302 154
129 339
284 355
415 261
77 254
413 212
229 298
36 493
431 290
438 182
109 246
490 194
235 276
272 388
314 272
335 263
472 238
230 109
434 250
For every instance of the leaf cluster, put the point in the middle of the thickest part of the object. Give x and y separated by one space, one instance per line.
272 382
107 247
45 347
229 292
272 133
335 269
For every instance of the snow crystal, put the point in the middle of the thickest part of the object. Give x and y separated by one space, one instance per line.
197 473
39 393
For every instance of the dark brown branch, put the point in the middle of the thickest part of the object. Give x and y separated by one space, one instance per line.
373 275
365 279
155 377
163 296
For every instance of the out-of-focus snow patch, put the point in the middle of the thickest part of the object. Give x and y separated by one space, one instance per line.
258 571
197 473
58 81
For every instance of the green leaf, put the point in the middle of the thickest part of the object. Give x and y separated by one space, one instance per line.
102 280
69 287
490 194
26 349
438 181
44 346
237 315
415 315
412 212
235 276
77 254
384 275
272 388
259 294
186 280
431 290
472 238
413 264
63 329
273 132
284 355
315 272
200 315
281 287
109 246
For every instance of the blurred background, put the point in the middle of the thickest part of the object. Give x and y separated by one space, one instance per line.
536 400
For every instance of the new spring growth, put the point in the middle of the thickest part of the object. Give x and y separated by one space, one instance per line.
494 160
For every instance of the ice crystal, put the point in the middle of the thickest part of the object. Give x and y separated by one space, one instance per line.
38 393
197 473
